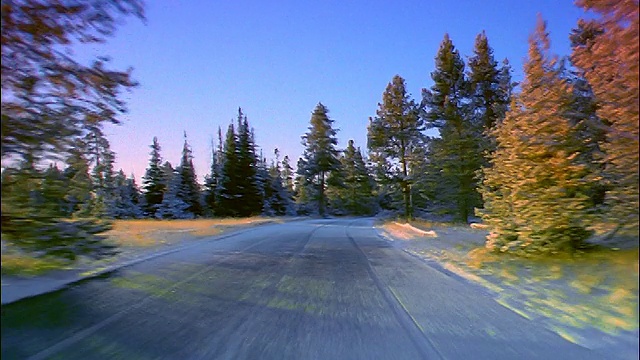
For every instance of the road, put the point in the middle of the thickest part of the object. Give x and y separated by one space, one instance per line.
313 289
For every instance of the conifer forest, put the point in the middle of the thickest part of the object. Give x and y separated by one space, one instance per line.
544 161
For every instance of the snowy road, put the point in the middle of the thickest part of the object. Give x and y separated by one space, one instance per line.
313 289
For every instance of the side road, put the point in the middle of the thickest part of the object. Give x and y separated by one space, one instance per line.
16 288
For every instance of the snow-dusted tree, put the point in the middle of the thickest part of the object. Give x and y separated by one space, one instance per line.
53 189
287 175
607 53
392 136
355 188
533 191
457 154
189 190
249 193
32 219
101 158
51 100
228 188
79 195
154 182
212 180
173 206
305 191
277 198
126 199
320 155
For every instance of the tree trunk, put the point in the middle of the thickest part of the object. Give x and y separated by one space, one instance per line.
405 189
321 202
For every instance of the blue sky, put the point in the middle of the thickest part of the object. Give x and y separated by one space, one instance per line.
198 61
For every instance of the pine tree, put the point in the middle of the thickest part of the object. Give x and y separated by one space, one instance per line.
287 175
53 97
126 198
392 136
153 181
248 184
277 199
305 190
101 158
52 191
79 197
490 90
321 155
355 191
212 180
533 190
32 219
229 176
189 189
606 51
457 155
173 206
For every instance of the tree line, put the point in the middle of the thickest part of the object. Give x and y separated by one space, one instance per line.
540 162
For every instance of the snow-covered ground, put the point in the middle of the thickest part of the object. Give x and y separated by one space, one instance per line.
591 300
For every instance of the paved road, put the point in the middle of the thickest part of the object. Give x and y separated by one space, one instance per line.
315 289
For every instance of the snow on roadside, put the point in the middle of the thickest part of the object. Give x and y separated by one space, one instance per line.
585 301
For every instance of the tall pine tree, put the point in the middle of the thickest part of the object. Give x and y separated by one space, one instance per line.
247 183
392 137
153 182
356 190
320 155
607 55
457 154
490 90
533 190
229 177
212 180
189 189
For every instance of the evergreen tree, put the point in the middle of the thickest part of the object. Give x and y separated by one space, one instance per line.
126 199
321 155
605 50
49 98
457 155
189 189
533 195
229 176
153 181
490 91
101 159
173 206
356 188
52 191
287 175
277 199
212 180
305 191
32 218
247 184
392 137
591 133
79 197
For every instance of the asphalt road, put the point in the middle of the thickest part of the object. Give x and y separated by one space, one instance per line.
315 289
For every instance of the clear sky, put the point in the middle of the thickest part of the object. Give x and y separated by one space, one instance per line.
198 61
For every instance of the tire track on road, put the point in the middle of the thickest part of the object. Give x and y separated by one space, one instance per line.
79 336
401 313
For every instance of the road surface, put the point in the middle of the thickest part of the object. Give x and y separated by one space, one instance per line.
313 289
